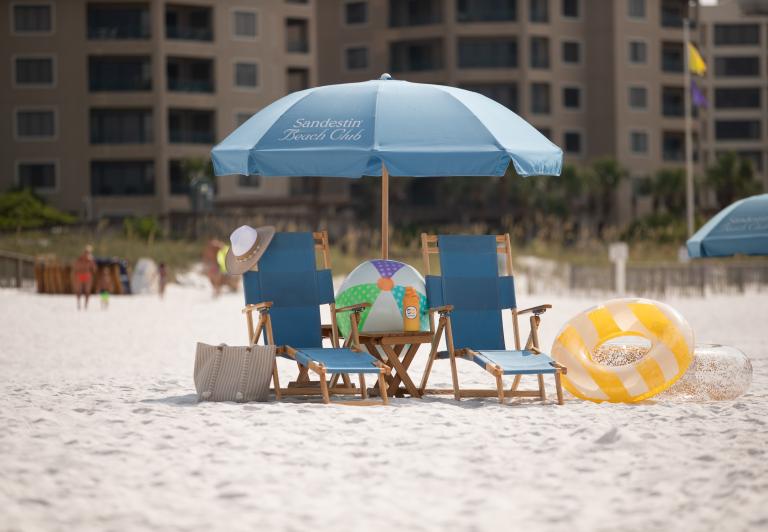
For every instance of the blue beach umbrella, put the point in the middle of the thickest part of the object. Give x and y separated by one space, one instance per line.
382 127
739 229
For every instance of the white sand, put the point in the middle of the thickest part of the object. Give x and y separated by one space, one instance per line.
99 430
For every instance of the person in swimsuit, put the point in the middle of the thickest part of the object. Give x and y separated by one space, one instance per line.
83 271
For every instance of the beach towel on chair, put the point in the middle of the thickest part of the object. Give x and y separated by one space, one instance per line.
233 373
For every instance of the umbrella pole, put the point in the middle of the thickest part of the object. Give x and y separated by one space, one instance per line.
384 212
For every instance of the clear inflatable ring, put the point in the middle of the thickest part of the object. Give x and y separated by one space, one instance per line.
668 358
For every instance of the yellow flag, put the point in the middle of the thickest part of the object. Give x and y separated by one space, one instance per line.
696 63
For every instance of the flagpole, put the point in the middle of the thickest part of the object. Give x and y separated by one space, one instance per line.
688 123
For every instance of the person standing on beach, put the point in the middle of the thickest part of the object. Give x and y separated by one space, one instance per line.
83 271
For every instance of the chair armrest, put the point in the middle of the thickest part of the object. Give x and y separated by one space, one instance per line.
358 307
540 309
264 306
445 309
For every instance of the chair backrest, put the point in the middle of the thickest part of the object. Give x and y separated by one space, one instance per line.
288 277
471 283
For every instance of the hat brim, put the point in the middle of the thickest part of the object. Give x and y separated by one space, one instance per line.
263 238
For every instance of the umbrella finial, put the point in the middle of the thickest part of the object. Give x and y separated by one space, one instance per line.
385 76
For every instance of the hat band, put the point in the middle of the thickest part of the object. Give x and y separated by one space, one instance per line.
251 252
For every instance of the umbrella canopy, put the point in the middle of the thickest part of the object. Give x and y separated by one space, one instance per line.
384 127
413 129
739 229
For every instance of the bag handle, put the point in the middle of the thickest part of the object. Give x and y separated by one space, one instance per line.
244 371
214 375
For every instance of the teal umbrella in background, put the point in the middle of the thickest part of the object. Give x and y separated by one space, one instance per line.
739 229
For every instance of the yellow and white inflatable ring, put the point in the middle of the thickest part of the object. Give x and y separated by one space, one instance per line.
671 351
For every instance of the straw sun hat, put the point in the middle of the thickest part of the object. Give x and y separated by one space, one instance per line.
246 246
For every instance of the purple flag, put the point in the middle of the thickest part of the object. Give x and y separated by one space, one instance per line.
699 100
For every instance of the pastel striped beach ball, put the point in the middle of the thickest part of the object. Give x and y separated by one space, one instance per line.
381 283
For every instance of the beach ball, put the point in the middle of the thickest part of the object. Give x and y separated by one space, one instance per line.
381 283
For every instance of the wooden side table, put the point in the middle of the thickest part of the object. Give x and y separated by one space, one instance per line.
388 347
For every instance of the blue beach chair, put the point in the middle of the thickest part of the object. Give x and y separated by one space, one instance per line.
287 289
469 297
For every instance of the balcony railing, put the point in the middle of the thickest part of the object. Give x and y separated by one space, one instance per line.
189 34
186 136
187 85
300 46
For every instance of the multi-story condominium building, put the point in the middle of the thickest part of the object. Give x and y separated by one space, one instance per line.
734 42
104 99
600 78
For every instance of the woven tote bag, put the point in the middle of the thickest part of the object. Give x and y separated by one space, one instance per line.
233 373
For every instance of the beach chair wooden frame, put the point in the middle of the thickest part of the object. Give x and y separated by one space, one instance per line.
429 246
328 383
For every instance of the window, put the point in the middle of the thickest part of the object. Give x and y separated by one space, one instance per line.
297 79
538 10
121 126
416 56
571 97
737 34
570 8
539 52
246 75
571 52
249 181
638 52
357 58
35 124
414 12
191 23
297 35
486 10
540 98
177 179
122 178
356 12
189 74
672 57
246 24
118 21
32 18
673 145
672 101
737 98
748 66
636 8
737 129
191 126
504 93
754 156
493 52
638 142
638 98
119 73
36 175
34 71
672 13
242 118
572 142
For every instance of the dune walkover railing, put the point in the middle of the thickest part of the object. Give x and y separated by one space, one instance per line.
16 270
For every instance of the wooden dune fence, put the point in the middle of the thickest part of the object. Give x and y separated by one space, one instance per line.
16 270
54 277
693 279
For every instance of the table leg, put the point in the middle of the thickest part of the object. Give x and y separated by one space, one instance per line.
394 362
407 359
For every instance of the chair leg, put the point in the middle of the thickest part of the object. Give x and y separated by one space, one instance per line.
500 388
363 389
345 380
455 378
559 388
334 380
542 392
324 387
515 383
276 380
383 389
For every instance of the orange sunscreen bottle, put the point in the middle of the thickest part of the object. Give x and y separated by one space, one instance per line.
411 314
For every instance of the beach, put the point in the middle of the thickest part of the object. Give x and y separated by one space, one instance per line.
101 430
